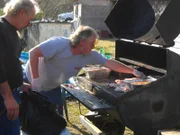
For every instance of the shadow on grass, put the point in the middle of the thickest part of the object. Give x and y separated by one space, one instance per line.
78 129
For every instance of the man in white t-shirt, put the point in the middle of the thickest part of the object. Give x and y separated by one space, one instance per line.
57 59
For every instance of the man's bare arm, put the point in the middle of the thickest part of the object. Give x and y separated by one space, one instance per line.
9 101
34 55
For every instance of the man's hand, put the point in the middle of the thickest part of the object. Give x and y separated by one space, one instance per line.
12 108
25 87
138 74
10 103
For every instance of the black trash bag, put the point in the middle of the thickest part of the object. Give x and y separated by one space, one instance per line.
38 116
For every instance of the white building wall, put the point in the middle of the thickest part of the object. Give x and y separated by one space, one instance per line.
39 32
92 13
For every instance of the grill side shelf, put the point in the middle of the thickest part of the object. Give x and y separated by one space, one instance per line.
87 99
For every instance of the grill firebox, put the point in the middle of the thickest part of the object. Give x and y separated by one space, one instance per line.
147 108
146 30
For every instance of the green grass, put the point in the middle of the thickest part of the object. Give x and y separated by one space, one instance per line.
107 45
74 125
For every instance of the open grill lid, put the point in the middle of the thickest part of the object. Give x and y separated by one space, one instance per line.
150 21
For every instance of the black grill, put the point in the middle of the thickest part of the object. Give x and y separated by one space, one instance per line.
145 30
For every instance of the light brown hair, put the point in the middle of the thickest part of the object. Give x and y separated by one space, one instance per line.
82 32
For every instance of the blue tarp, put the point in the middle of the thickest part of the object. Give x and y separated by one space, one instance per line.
24 57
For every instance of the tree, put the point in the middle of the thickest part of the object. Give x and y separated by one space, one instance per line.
52 8
2 3
39 16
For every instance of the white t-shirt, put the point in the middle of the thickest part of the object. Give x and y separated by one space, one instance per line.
59 64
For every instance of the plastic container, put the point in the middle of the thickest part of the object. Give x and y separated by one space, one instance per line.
96 72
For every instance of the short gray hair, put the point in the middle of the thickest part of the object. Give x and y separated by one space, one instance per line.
82 32
14 6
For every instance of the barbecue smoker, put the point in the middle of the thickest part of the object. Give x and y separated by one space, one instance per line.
145 32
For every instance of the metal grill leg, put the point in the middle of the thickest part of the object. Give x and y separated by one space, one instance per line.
64 103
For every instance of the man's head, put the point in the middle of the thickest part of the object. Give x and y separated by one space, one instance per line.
21 12
84 38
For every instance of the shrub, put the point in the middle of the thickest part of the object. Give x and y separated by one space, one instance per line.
1 12
39 16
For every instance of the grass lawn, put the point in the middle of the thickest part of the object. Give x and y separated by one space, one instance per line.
107 44
74 126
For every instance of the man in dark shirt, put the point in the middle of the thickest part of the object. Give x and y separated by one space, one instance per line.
18 14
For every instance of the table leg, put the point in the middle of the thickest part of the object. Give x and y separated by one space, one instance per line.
64 103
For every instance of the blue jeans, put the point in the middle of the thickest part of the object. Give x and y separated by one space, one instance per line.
54 96
65 132
9 127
